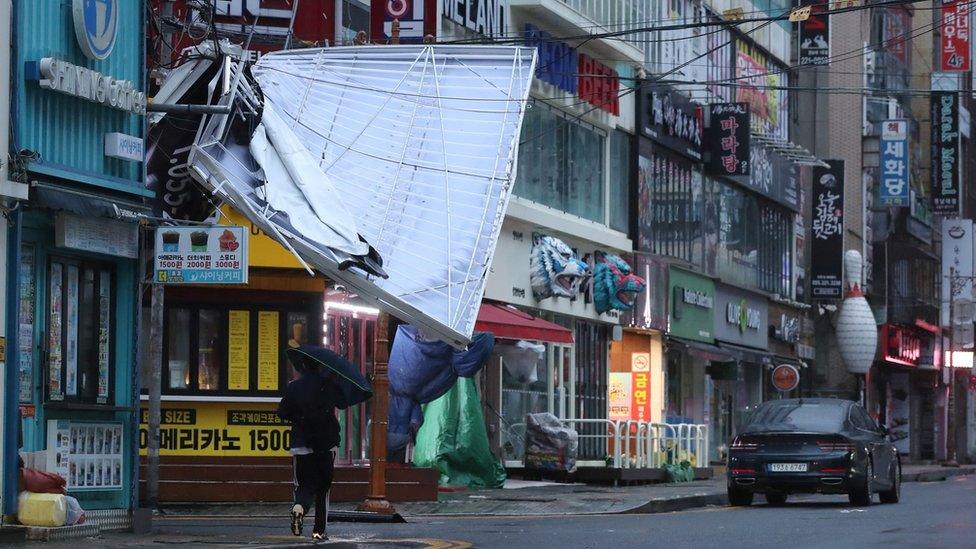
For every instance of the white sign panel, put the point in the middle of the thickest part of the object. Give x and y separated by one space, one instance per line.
124 147
957 262
89 456
98 235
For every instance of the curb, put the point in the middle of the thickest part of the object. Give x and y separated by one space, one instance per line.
938 475
677 504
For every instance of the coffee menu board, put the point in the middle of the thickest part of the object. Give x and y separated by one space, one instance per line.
238 350
87 455
268 350
201 255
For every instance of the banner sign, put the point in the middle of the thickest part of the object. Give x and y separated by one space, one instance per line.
815 35
728 139
773 176
201 255
827 247
218 429
619 394
418 18
673 120
564 67
957 262
945 152
894 189
955 36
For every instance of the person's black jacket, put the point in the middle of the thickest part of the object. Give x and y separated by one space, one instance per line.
309 405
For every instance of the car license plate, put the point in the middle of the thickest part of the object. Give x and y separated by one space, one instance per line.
788 467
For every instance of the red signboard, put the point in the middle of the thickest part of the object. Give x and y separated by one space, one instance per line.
599 85
417 18
786 377
901 345
641 390
955 36
265 22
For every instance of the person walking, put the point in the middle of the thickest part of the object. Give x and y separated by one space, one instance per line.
310 404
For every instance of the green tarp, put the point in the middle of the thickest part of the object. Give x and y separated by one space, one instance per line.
454 440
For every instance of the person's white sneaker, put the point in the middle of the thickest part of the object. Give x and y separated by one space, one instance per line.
317 536
297 516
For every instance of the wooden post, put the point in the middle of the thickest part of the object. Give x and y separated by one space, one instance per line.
376 501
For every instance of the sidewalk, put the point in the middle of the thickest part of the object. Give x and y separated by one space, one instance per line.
261 525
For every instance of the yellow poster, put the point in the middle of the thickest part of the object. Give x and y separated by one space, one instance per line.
238 350
218 429
262 250
268 351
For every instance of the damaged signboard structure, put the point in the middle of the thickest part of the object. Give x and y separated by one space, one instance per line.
388 170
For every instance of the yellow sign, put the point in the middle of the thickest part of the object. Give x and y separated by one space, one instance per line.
239 350
800 14
262 250
268 351
218 429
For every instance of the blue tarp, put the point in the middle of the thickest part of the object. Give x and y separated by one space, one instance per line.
422 371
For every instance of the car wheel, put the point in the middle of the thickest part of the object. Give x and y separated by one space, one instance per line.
861 495
739 498
776 498
893 495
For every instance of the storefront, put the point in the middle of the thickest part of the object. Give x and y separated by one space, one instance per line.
904 387
77 120
563 370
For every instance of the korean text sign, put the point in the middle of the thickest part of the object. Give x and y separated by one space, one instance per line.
827 247
955 36
894 188
201 255
945 153
729 139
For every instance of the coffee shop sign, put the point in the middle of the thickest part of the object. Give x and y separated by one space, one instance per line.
738 314
63 77
698 299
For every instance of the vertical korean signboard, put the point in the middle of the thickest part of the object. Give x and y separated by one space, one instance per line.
945 152
957 262
728 139
640 370
894 189
815 35
955 36
827 246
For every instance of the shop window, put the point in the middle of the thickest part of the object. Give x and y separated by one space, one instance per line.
619 181
178 361
212 350
208 350
79 331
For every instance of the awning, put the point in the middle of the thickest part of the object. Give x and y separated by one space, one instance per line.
59 198
747 354
704 351
507 322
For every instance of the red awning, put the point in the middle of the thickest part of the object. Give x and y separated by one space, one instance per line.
507 322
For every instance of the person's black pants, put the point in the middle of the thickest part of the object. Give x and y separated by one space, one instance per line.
313 478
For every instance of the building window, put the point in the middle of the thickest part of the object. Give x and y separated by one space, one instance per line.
561 163
670 220
352 16
619 206
79 331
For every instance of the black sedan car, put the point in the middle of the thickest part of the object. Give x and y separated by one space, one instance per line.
826 446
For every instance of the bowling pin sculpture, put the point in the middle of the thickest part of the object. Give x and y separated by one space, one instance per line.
857 331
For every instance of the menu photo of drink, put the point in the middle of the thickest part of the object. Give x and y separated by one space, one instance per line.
201 255
87 455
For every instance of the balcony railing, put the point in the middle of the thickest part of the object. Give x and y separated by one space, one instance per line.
617 15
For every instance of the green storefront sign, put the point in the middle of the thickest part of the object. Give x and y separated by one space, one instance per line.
692 305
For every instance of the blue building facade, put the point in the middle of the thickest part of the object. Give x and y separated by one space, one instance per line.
77 117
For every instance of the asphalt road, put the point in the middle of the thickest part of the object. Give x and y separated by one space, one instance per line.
935 514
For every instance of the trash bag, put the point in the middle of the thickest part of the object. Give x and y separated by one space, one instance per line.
40 482
679 472
549 446
454 440
422 371
75 514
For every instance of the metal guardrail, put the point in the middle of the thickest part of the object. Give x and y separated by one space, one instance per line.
643 444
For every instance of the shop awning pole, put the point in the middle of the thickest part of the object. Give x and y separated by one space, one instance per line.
155 395
376 501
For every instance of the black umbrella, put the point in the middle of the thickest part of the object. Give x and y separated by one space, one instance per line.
354 387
